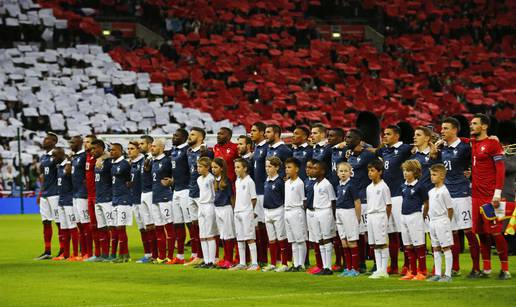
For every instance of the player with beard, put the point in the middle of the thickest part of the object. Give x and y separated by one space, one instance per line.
197 149
258 170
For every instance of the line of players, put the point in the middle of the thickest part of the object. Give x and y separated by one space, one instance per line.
329 193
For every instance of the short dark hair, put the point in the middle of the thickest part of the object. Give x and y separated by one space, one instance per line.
321 127
183 132
275 128
304 129
243 162
357 133
376 164
395 128
322 164
200 130
91 136
98 142
452 121
484 119
228 130
260 126
53 136
247 139
294 161
118 145
149 139
338 131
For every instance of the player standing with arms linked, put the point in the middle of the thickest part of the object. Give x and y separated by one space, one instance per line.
488 174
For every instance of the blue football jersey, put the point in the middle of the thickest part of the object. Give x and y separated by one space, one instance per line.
180 167
103 182
48 167
302 153
259 158
136 180
426 162
64 186
121 177
281 151
393 157
161 168
456 158
79 175
359 177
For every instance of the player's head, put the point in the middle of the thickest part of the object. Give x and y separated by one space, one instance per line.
411 170
272 166
157 147
224 135
292 167
58 154
257 133
50 141
273 133
116 150
203 165
317 133
450 128
179 137
353 138
310 167
87 141
375 170
319 169
437 173
75 143
97 148
196 136
300 135
145 143
335 136
344 171
391 135
241 166
244 145
479 125
132 150
422 136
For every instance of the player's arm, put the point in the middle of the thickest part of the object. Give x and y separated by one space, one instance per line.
388 201
499 162
68 168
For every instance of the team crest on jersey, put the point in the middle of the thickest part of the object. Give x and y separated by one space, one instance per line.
482 148
455 152
378 192
395 151
159 166
427 158
207 185
261 152
292 188
412 191
304 153
228 150
273 187
358 159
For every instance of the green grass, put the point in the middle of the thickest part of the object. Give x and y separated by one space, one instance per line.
24 282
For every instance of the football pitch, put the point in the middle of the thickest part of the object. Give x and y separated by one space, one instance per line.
25 282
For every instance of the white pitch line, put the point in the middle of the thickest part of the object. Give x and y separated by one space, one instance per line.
286 295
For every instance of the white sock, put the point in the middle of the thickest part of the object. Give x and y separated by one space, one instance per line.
254 254
212 248
385 259
448 257
295 254
180 256
204 247
438 263
322 248
301 250
378 259
328 251
241 252
148 255
195 254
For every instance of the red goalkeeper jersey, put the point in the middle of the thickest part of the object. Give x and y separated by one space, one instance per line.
228 152
488 168
90 175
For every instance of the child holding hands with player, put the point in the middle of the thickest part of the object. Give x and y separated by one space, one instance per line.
207 225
